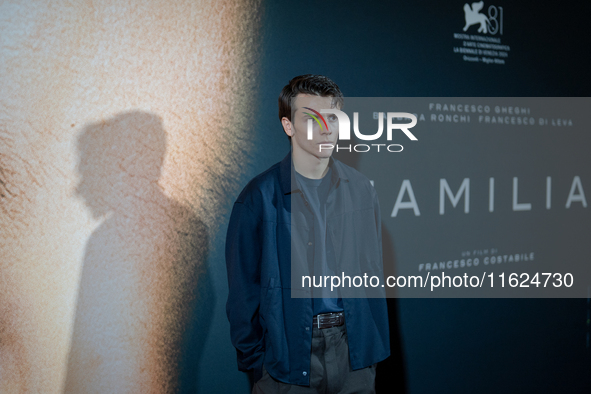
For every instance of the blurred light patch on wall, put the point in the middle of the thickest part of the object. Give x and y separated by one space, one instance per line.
123 124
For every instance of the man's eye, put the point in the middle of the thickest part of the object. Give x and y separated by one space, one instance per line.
333 118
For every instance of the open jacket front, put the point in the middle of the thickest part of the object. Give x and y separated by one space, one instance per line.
271 227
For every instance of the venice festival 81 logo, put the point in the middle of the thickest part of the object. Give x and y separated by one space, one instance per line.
481 35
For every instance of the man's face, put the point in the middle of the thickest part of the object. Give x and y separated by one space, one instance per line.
322 137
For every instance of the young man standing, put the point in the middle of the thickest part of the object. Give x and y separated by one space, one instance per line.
307 214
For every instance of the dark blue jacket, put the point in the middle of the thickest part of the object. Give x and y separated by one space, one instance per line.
267 325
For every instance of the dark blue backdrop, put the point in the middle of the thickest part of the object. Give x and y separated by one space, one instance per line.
405 49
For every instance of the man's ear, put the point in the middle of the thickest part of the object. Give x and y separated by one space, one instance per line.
287 126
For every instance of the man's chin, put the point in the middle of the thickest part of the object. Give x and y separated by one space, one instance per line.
324 154
325 150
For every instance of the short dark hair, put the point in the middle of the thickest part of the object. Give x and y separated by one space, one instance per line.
312 84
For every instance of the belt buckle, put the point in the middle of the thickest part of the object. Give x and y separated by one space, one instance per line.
328 318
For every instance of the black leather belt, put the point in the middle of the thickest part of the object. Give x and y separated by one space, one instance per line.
327 320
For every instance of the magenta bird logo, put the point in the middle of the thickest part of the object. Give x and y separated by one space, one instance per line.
316 117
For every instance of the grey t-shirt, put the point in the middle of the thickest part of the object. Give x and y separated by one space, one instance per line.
316 193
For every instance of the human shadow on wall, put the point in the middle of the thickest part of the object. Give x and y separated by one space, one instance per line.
145 297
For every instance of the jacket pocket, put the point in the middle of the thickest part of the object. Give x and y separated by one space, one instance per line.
268 293
354 237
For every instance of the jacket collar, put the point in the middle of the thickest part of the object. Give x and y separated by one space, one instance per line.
287 173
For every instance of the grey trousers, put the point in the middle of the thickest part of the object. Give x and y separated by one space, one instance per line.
330 369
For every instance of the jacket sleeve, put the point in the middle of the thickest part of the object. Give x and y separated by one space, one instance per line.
243 252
